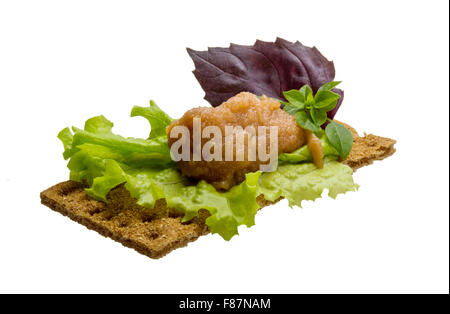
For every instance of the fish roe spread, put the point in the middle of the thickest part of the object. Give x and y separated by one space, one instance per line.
244 109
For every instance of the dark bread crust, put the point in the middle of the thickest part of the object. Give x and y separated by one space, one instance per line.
155 232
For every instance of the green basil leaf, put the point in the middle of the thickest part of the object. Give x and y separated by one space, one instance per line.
306 91
295 97
326 100
291 109
329 86
340 138
310 101
309 96
318 116
305 121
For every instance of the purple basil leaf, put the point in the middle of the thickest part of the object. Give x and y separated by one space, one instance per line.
267 68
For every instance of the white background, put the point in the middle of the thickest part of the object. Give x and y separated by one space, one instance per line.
62 62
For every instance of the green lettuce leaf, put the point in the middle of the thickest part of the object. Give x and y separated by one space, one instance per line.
299 182
66 138
98 140
113 176
158 119
304 155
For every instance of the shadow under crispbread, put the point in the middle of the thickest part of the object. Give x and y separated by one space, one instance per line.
155 232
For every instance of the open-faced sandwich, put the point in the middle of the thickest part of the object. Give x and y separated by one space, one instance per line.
270 134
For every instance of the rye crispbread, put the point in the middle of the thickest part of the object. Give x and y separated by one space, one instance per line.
155 232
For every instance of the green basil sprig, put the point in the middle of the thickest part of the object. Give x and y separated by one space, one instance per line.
310 112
